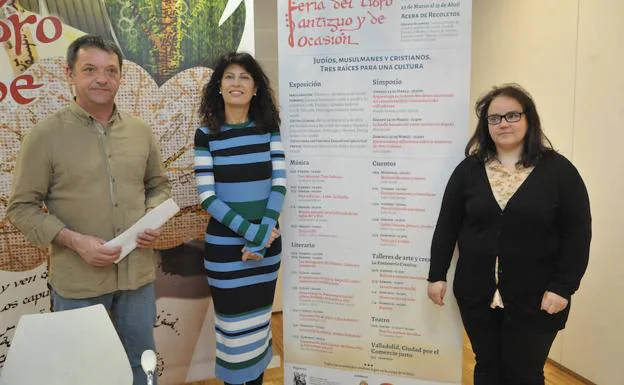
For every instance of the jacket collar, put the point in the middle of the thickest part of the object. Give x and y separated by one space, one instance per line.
82 114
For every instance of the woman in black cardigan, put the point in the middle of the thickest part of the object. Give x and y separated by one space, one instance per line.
519 213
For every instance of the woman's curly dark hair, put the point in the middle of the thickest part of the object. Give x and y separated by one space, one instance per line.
263 109
536 144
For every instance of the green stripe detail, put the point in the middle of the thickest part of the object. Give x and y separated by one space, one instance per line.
253 210
272 214
224 317
239 125
279 189
262 231
206 203
244 364
229 217
242 229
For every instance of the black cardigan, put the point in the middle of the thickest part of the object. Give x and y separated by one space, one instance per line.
542 239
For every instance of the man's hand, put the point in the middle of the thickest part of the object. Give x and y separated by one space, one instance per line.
436 292
90 248
146 239
93 251
553 303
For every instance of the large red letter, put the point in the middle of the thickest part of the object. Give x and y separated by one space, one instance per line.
5 32
17 29
3 91
58 29
30 85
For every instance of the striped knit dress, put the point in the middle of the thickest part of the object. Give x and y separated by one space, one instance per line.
241 180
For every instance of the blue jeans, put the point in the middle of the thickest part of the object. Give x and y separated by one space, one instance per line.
133 313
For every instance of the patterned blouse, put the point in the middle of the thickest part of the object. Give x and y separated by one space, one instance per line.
504 184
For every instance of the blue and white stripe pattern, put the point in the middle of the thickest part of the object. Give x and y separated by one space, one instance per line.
241 181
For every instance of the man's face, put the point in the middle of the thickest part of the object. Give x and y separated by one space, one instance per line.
95 76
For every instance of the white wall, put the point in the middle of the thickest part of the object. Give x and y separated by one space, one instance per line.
533 43
593 344
569 55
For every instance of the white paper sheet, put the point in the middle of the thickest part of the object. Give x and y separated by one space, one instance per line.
151 220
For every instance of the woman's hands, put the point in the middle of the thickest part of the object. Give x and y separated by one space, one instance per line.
251 256
274 235
436 292
553 303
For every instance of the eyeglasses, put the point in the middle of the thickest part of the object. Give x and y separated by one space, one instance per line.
510 117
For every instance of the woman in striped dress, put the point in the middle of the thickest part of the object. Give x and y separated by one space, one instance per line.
241 181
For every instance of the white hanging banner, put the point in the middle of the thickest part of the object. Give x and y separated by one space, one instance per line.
375 102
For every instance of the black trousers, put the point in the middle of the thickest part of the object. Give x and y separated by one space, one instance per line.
505 355
257 381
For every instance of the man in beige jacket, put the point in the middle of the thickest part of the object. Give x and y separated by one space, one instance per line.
97 170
